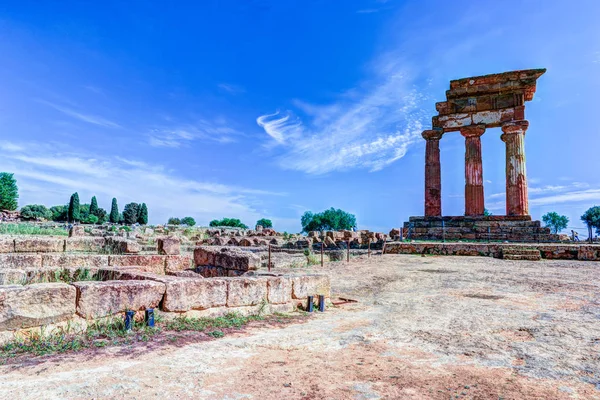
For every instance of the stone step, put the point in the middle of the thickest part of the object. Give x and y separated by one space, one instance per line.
522 257
521 251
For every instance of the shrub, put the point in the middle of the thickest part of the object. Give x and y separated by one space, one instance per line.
35 211
328 220
229 222
143 216
74 210
59 213
114 212
9 192
90 219
131 213
265 223
189 221
174 221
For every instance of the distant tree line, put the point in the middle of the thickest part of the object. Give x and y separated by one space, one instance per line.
189 221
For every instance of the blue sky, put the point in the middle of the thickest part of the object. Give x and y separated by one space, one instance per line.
262 108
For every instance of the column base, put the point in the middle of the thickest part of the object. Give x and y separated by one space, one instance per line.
474 203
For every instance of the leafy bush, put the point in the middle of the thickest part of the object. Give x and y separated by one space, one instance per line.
90 219
74 209
174 221
131 213
9 192
189 221
35 211
59 213
328 220
555 222
114 212
265 223
229 222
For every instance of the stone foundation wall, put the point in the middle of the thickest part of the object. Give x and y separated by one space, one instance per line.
25 307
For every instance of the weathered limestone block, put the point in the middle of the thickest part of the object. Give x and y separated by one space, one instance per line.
246 291
588 253
20 261
35 305
76 230
244 242
39 245
147 263
279 290
209 271
226 257
185 294
12 276
168 245
310 285
74 260
123 245
85 244
178 263
277 242
99 299
7 245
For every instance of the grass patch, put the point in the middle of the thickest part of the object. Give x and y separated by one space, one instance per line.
58 276
30 229
229 320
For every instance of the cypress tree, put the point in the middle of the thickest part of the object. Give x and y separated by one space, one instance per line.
74 212
143 217
9 192
114 212
94 206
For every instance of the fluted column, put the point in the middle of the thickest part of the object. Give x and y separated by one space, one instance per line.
517 201
474 204
433 174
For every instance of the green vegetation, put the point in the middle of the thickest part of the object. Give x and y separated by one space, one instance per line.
9 192
555 222
131 212
174 221
143 216
228 222
114 212
486 213
74 211
189 221
29 229
328 220
229 320
592 219
59 213
94 206
265 223
59 275
35 211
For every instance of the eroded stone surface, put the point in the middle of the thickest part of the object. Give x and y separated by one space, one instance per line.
246 291
279 290
85 244
310 285
20 261
168 245
39 245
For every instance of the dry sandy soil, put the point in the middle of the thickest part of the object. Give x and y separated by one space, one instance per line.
423 327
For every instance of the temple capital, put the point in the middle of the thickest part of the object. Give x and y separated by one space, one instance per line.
432 134
472 130
509 128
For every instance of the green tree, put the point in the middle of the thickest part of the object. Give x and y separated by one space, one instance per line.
228 222
265 223
35 211
143 216
486 213
59 213
174 221
131 212
9 192
102 215
74 210
555 222
114 212
328 220
189 221
94 206
592 219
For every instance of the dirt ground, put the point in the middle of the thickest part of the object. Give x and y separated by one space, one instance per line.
423 328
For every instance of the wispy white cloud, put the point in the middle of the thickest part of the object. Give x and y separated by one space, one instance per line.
57 173
552 194
89 118
369 127
231 88
176 136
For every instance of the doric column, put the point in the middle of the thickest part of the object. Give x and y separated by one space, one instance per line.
474 205
433 174
517 202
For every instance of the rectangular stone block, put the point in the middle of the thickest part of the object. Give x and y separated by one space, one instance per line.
183 294
12 277
279 290
246 291
35 305
178 263
85 244
20 261
310 285
168 245
99 299
148 263
74 260
588 253
39 245
7 245
121 245
226 257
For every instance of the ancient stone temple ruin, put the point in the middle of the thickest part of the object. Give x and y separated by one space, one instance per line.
472 105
